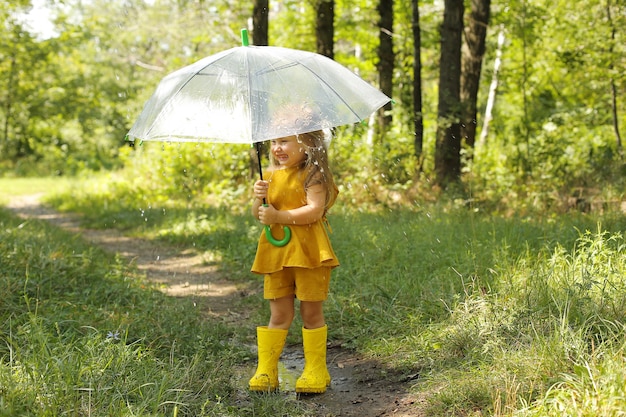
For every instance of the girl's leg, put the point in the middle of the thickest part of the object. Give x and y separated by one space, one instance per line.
282 312
313 285
312 314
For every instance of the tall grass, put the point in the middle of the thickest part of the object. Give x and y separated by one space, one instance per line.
539 342
484 315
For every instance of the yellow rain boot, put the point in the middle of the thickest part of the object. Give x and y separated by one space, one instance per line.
271 343
315 377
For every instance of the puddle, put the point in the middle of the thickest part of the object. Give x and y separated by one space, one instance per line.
290 367
286 378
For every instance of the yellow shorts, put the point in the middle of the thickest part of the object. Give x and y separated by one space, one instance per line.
307 284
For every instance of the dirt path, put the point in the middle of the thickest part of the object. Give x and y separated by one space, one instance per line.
361 387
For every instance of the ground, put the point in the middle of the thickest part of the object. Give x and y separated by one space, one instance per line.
361 387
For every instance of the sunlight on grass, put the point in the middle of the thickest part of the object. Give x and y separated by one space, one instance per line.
25 186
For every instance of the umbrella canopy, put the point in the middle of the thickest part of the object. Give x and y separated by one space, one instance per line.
250 94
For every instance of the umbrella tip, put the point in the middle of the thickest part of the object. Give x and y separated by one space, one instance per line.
244 37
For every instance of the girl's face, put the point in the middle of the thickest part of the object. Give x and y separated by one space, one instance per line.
288 151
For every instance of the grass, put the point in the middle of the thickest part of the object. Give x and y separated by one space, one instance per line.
82 333
497 315
24 186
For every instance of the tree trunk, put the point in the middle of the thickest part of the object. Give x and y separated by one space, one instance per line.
448 141
418 120
473 52
260 23
7 108
386 57
618 136
325 27
493 88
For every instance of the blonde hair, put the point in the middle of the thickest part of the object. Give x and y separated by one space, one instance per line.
315 166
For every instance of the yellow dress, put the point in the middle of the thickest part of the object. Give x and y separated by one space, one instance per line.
309 246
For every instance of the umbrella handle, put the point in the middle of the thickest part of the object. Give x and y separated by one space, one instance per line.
276 242
279 243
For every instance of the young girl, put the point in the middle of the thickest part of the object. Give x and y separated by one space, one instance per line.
299 190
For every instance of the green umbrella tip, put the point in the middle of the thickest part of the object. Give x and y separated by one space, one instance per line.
244 37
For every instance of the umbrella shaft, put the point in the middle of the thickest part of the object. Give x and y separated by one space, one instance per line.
258 156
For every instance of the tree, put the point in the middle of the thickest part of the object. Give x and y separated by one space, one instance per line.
472 60
23 101
325 27
8 102
448 140
493 87
614 107
260 22
386 57
418 120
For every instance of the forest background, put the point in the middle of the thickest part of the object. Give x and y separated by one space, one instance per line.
494 275
551 141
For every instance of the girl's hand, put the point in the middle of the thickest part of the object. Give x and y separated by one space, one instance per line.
268 215
260 189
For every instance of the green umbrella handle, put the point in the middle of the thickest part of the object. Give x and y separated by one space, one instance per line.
276 242
280 243
268 231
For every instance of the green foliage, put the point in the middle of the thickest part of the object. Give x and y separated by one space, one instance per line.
162 177
71 99
553 129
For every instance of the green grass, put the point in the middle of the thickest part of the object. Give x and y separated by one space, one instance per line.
82 333
497 315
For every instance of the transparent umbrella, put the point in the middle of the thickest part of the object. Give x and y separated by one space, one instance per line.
250 94
241 96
